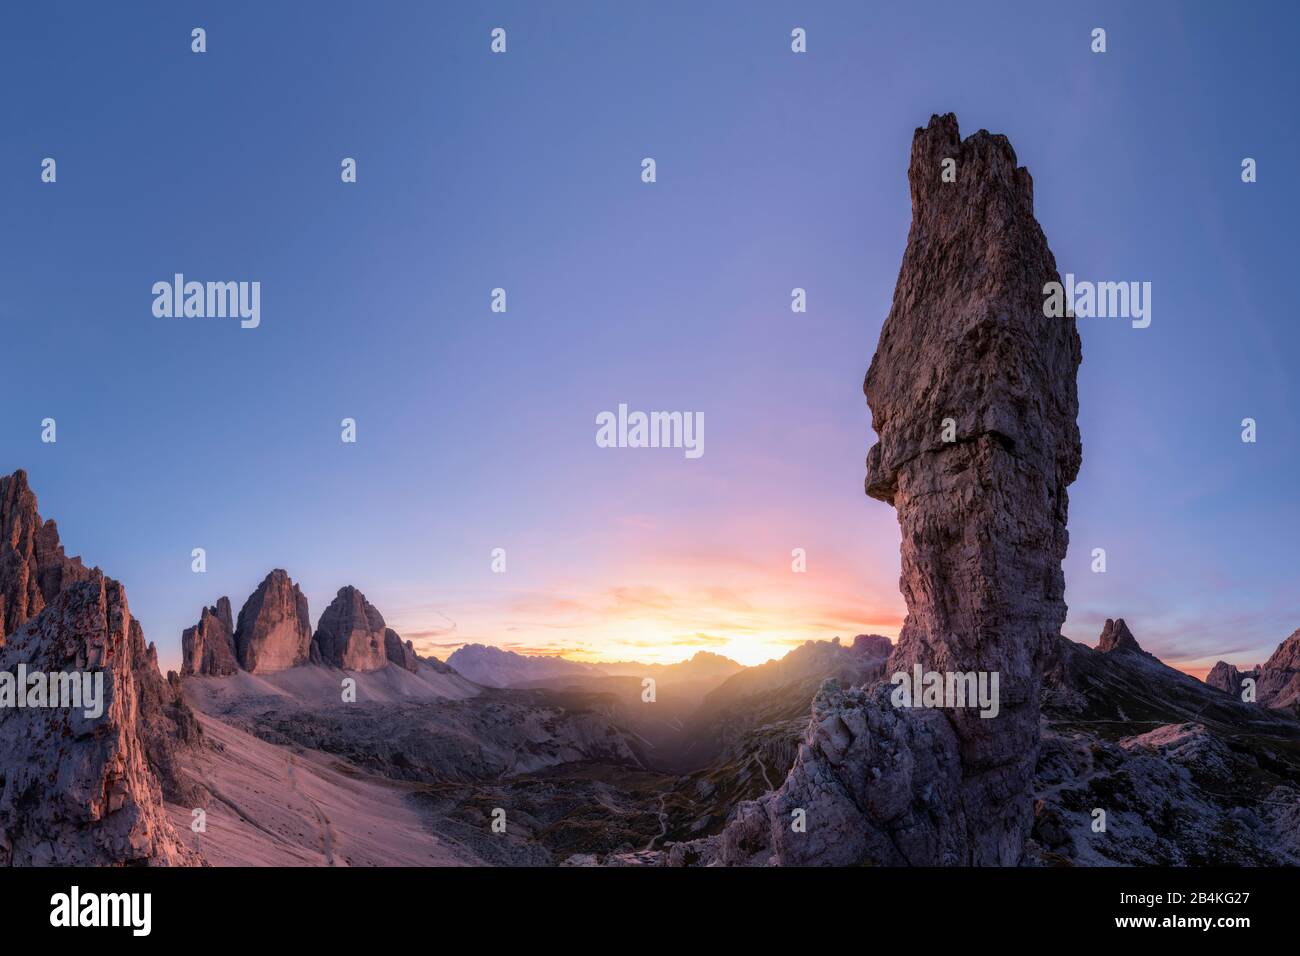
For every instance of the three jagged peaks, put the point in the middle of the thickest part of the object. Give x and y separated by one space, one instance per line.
274 633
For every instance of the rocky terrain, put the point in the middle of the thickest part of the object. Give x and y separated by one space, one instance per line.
33 567
283 766
77 789
415 769
1184 774
660 722
771 700
278 744
209 646
1275 683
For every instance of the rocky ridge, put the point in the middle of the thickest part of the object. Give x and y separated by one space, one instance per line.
1277 680
80 788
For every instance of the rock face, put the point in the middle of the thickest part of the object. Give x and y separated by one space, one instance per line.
982 506
79 790
274 634
1277 680
208 647
403 655
79 787
1279 676
1117 638
274 629
744 736
872 645
1227 678
351 633
33 567
973 395
1186 775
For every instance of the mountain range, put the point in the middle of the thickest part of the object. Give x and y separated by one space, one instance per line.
280 744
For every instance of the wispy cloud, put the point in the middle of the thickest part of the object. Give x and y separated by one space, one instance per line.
739 609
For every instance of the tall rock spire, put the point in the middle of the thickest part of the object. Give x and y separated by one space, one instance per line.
973 394
208 647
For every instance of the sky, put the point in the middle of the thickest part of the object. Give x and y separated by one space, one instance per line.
522 171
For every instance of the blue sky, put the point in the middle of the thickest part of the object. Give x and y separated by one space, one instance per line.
476 430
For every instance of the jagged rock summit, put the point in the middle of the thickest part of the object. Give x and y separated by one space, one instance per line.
1277 680
274 629
1227 678
351 633
80 788
403 653
973 396
1117 638
1279 676
33 567
209 646
1187 775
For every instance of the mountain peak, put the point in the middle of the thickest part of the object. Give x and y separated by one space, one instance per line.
274 628
33 566
1287 655
82 789
1115 636
351 633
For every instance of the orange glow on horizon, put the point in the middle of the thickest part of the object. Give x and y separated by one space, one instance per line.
748 613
